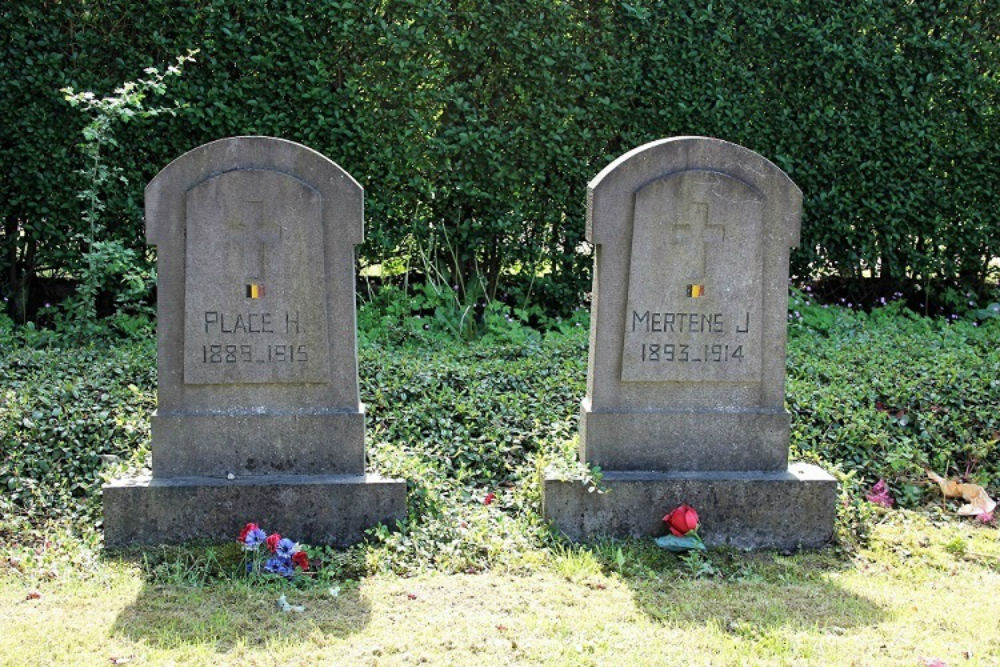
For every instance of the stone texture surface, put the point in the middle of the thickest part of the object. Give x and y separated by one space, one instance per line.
686 373
315 509
256 352
778 510
229 215
665 216
690 439
258 444
263 228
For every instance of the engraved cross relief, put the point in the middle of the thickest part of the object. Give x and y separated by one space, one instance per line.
258 237
697 233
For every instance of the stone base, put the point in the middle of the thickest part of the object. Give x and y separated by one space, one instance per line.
315 509
747 510
251 443
674 440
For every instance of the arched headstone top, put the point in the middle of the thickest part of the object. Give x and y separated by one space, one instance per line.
262 153
688 323
256 340
258 412
609 193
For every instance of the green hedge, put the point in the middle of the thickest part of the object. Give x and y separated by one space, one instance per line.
475 126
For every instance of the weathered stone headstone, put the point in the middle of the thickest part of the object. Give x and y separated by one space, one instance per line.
258 413
686 376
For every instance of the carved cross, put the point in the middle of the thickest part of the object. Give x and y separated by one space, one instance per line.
696 232
257 238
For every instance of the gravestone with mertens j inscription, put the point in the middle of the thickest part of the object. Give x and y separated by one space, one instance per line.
686 373
258 413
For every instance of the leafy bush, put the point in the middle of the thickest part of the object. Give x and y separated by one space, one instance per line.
888 394
66 416
459 422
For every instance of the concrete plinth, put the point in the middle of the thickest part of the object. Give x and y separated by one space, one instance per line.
245 443
747 510
315 509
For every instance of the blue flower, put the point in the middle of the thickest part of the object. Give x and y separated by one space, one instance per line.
254 539
286 548
279 565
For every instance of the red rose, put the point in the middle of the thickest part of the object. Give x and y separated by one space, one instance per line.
272 541
301 560
682 520
246 531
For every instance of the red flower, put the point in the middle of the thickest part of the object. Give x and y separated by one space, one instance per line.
246 531
490 497
301 560
682 520
272 542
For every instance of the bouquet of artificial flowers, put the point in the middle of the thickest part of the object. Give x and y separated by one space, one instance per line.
283 556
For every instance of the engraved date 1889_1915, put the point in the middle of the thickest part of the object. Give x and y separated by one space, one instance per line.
218 353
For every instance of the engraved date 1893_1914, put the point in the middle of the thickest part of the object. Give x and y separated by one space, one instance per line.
686 325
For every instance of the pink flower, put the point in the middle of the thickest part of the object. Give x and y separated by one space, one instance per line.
879 494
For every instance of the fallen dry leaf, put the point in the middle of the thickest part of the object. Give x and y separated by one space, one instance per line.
949 488
979 502
33 595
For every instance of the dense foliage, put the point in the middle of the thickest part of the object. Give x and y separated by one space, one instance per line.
890 395
66 415
875 395
475 126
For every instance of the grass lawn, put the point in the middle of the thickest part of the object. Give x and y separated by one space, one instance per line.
925 588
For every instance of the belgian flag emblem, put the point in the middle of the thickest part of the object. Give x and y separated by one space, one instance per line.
695 291
255 291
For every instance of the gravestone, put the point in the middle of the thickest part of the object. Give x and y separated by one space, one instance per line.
686 374
258 412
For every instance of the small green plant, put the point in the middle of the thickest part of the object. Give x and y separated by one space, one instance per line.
105 260
957 546
184 566
990 312
560 460
699 565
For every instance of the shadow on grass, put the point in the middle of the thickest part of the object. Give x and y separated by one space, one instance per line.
744 594
183 603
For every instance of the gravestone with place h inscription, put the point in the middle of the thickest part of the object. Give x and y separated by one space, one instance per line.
686 374
258 412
